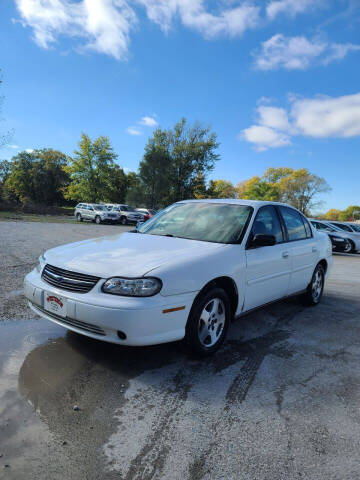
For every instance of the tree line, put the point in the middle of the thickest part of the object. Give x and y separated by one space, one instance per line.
175 166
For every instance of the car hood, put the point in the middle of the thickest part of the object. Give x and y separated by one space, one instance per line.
126 254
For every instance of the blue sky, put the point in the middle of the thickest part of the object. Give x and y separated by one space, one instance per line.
278 80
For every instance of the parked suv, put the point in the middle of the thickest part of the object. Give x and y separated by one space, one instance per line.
95 212
126 213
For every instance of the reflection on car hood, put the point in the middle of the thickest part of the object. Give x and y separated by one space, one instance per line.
126 254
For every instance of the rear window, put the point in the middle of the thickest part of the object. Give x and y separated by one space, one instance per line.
294 224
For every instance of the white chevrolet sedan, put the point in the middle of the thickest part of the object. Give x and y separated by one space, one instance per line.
184 274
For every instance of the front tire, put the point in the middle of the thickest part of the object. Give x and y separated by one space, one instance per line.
97 220
123 220
79 217
208 322
315 289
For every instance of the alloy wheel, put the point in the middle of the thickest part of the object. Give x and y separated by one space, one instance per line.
317 285
211 322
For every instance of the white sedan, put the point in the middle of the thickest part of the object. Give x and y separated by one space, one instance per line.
184 274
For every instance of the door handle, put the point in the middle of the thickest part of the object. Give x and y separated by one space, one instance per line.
314 249
285 254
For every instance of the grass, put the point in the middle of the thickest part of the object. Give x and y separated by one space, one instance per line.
30 217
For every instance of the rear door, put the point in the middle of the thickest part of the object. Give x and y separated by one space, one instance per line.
268 268
302 246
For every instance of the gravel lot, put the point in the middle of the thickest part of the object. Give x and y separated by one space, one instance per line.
279 401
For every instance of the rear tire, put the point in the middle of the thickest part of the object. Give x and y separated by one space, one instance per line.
351 249
79 217
208 322
123 220
315 289
97 220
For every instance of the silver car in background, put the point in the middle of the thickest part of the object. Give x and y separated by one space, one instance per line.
347 226
126 213
95 212
351 237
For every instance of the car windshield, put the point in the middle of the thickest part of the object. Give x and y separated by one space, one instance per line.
356 227
208 222
126 208
100 207
322 226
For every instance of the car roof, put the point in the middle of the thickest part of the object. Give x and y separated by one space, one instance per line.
238 201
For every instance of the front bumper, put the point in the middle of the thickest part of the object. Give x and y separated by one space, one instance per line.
102 316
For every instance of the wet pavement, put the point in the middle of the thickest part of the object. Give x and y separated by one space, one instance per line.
280 400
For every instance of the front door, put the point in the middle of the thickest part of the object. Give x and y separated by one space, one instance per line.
268 268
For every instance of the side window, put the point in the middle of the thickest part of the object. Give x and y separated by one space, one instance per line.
307 227
90 208
294 223
316 225
342 227
267 223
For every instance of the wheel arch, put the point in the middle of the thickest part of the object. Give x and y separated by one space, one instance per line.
227 284
324 264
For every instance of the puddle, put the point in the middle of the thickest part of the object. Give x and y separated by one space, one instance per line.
131 400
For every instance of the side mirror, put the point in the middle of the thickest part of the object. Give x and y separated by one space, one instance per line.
262 240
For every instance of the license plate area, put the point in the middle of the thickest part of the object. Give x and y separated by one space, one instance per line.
55 304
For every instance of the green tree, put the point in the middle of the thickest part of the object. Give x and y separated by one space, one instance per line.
5 170
256 188
175 164
332 214
37 177
348 214
299 188
94 175
221 189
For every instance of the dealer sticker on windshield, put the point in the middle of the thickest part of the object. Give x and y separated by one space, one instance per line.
55 304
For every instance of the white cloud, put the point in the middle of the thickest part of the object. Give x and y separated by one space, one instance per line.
264 137
325 117
133 131
148 121
320 117
297 53
289 7
104 24
29 150
273 117
193 14
14 147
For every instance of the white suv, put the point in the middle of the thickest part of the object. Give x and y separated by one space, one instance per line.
95 213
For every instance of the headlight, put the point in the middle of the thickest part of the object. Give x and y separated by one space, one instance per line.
41 263
133 287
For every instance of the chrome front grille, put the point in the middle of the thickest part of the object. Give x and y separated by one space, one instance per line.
71 281
88 327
